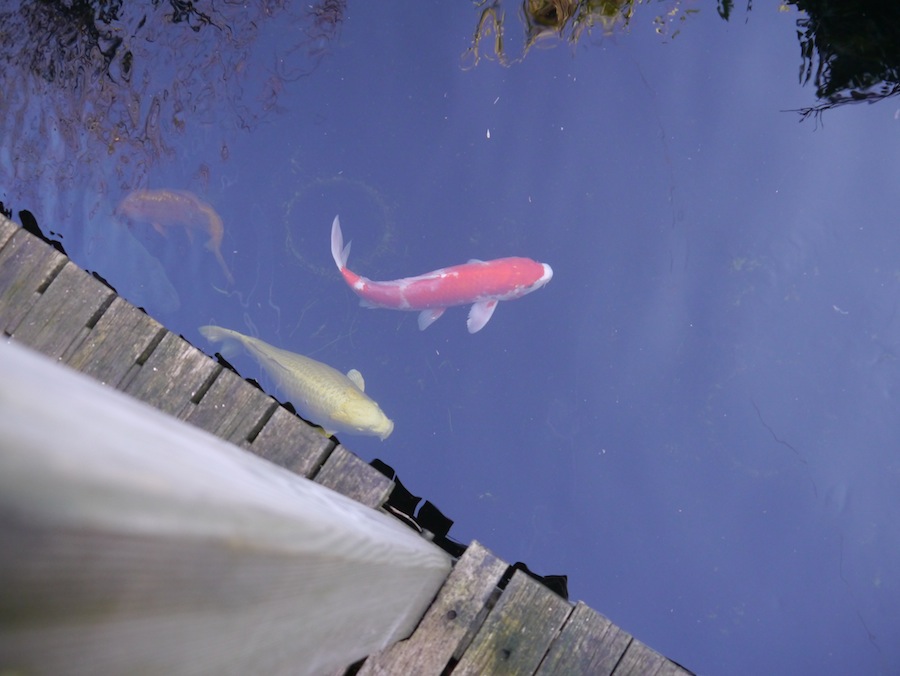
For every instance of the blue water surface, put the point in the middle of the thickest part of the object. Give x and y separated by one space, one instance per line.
696 420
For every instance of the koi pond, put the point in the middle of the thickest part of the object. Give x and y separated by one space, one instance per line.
697 419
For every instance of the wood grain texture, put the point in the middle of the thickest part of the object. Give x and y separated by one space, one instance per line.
518 631
173 376
588 644
63 314
349 475
231 408
114 349
7 230
292 443
27 265
640 660
450 621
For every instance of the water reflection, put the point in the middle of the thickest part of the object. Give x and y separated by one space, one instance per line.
164 79
851 56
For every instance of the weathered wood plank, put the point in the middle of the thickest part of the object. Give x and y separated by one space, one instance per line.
450 621
60 317
347 474
117 343
518 631
589 644
7 230
640 660
670 668
292 443
27 265
232 408
172 376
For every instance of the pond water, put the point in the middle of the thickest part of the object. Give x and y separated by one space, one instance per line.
696 420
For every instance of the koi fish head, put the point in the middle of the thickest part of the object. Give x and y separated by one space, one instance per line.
545 277
524 276
361 415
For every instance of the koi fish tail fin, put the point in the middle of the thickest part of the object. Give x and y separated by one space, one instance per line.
231 345
339 252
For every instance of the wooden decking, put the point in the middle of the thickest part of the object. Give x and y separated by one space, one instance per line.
483 621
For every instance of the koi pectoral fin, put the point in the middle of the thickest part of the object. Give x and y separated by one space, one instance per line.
480 314
429 317
357 379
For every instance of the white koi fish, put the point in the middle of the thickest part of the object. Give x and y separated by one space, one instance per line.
322 395
480 283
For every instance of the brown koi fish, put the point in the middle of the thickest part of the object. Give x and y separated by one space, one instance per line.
167 208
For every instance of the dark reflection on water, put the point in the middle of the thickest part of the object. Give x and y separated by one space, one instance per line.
88 82
850 52
96 94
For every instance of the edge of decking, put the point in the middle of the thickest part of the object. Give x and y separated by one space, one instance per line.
488 617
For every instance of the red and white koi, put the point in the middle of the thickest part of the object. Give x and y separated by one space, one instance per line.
480 283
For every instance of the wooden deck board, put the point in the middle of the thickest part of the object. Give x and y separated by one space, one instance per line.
232 409
27 265
7 230
444 632
291 443
172 376
588 644
74 300
116 344
518 631
344 472
639 660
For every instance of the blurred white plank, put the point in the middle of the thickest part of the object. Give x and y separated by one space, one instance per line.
130 541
